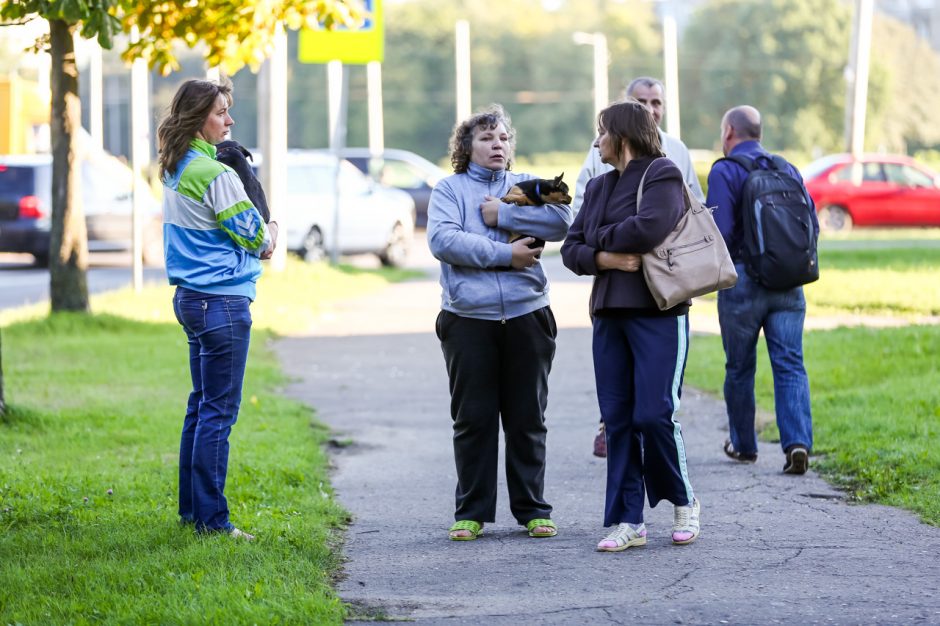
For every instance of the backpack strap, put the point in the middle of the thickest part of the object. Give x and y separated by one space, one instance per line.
779 162
774 161
747 163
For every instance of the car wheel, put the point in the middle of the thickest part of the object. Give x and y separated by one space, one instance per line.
312 249
834 219
396 251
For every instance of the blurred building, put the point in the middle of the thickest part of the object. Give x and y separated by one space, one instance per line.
24 116
921 15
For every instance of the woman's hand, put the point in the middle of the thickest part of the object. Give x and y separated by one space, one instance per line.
272 229
622 261
522 255
490 210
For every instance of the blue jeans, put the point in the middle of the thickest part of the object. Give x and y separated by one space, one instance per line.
743 311
218 329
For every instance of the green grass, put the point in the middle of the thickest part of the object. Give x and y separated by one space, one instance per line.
551 164
881 278
288 302
88 463
876 403
876 409
878 273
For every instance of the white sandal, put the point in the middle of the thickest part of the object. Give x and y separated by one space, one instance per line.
623 536
686 527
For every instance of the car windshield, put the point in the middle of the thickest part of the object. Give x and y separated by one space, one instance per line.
819 166
310 178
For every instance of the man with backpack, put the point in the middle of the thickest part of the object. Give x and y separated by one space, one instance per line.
769 224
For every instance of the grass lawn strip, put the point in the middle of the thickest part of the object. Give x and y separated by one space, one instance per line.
876 409
88 472
876 404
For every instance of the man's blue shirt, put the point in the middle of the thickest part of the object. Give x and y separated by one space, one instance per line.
725 182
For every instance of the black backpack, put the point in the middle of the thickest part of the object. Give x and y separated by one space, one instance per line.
779 226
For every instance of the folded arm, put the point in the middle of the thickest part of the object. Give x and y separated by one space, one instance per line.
451 243
662 205
237 216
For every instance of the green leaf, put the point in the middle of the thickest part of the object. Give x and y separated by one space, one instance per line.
72 11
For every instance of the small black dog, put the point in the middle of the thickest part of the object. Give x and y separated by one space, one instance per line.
536 192
539 191
236 157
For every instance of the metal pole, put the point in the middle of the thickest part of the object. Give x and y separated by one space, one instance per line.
376 121
671 63
140 157
272 135
601 85
462 43
338 93
601 60
862 56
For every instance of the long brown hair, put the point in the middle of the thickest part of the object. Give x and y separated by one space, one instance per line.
188 112
461 142
630 122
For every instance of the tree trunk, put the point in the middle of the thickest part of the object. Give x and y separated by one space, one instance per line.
68 247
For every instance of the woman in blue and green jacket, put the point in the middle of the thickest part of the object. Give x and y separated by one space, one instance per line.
214 240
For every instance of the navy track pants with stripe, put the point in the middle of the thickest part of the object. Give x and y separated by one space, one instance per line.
638 368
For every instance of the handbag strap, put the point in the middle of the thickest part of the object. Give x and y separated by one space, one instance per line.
639 191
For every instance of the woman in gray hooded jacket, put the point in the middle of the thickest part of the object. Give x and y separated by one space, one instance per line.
496 329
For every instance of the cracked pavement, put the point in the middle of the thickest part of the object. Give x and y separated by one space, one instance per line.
774 548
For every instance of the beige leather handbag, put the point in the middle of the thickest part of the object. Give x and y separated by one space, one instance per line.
693 259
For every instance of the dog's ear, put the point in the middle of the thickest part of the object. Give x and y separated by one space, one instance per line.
559 177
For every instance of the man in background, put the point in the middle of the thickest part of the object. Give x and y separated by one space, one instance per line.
749 307
650 93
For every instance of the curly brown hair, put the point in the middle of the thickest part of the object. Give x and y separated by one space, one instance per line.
629 122
188 112
461 142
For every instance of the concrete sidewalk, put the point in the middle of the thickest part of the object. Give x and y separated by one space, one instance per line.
773 549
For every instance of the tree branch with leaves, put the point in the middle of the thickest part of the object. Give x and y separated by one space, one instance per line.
234 35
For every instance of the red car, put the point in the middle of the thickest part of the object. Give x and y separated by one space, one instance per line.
876 190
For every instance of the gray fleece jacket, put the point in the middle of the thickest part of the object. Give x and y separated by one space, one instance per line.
474 257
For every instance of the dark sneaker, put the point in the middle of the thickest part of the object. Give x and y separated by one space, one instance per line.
742 457
600 442
797 460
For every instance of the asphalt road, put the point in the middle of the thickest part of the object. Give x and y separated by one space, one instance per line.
774 548
22 283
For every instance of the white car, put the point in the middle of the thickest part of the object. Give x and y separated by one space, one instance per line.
107 198
372 218
403 170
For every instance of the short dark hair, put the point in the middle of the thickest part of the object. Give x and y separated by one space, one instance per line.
461 142
744 124
645 81
630 122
